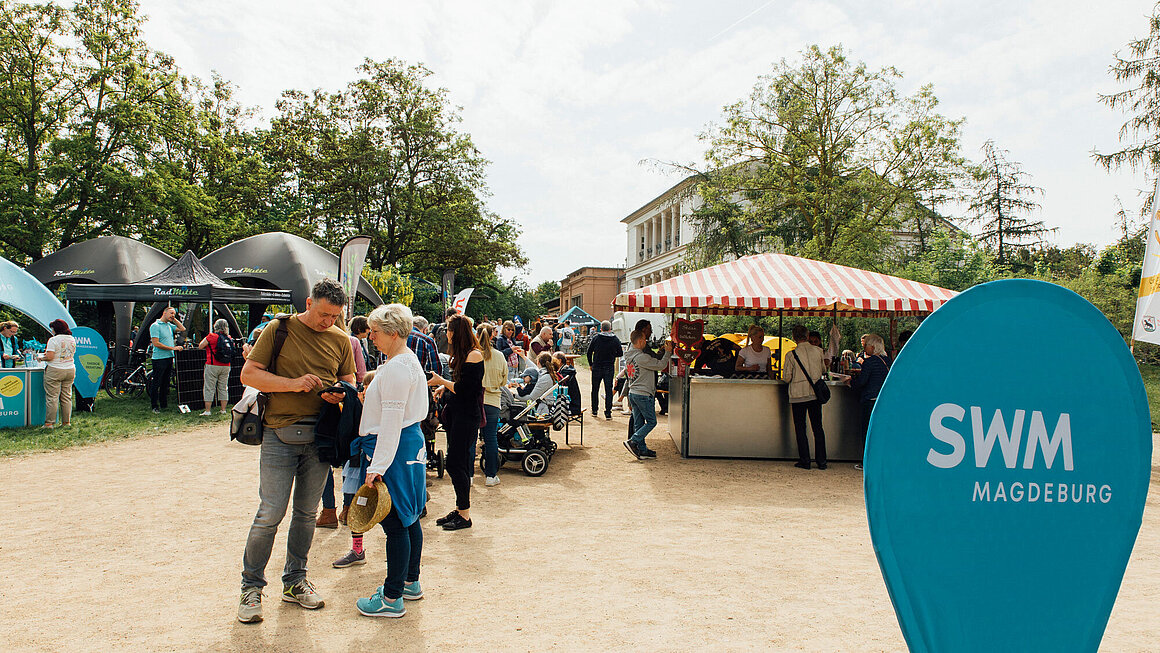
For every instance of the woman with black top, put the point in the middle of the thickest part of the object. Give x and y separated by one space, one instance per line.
868 383
462 415
568 374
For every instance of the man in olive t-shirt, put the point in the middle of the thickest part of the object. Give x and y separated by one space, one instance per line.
315 355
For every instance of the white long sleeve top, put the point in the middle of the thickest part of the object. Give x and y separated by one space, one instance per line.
395 399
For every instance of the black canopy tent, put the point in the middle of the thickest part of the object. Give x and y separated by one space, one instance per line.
105 260
185 281
279 260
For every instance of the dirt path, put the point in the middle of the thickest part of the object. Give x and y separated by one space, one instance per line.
137 545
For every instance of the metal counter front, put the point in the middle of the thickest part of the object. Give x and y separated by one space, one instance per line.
751 418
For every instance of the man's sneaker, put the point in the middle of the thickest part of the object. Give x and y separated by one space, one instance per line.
303 594
379 606
607 415
351 558
858 466
156 411
205 413
491 481
412 591
631 446
443 520
250 605
648 453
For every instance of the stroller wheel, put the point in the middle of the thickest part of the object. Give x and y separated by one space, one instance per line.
440 465
535 462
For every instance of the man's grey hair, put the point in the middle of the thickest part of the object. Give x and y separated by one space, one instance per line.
391 319
605 326
221 326
421 323
330 291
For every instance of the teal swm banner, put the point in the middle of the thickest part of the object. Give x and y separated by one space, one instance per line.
1006 469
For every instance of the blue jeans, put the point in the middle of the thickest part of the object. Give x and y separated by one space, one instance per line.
284 467
644 416
404 552
328 491
490 442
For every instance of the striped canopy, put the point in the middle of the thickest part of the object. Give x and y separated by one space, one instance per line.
772 284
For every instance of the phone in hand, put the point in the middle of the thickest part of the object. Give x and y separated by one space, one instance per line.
428 374
336 389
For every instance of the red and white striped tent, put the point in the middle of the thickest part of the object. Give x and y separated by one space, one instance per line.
779 284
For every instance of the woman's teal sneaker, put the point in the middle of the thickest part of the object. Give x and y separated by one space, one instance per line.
412 591
379 606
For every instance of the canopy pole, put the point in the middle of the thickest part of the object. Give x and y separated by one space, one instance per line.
209 322
779 337
893 327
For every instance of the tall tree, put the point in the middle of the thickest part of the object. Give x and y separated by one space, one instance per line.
384 157
1139 67
1001 201
824 159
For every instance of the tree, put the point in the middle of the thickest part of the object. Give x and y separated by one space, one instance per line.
1140 66
824 159
384 158
1000 196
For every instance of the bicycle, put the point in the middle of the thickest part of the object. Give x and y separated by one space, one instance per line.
129 381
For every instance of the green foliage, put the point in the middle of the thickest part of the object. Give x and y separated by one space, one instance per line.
393 287
951 261
1000 202
1140 68
823 160
384 158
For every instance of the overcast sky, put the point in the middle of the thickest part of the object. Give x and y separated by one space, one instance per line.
566 99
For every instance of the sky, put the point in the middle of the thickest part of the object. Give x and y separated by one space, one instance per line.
575 103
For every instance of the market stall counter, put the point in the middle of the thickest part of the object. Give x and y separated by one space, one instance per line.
750 418
21 396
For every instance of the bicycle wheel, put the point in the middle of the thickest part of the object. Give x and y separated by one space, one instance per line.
114 379
135 384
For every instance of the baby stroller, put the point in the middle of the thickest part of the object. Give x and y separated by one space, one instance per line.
429 425
525 437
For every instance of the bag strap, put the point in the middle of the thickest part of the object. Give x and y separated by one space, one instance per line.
279 339
804 370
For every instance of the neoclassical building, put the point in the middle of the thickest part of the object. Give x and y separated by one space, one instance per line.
658 234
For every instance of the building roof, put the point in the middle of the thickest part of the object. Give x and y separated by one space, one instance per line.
656 200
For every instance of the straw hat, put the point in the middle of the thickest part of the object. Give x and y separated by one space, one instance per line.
369 507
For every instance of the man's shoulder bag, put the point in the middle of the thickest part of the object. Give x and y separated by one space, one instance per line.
247 427
821 390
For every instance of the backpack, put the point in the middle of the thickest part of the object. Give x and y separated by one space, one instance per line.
223 349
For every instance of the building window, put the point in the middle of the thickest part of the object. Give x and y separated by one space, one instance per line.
578 301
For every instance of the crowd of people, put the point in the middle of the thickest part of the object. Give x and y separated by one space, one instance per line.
59 367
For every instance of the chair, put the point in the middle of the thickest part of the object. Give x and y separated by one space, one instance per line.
579 419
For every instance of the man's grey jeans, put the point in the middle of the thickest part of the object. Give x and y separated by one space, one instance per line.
284 467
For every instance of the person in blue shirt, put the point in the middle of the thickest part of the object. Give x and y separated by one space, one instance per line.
9 345
868 383
162 334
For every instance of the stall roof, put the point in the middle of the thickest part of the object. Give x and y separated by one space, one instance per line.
579 316
187 280
109 259
280 260
25 293
772 284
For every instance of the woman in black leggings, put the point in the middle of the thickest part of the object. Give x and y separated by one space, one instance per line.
462 416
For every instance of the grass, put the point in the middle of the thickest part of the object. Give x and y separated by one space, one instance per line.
1151 375
114 419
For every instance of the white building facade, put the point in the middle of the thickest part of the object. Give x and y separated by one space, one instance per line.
658 234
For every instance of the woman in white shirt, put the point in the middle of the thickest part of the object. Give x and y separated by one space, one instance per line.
59 374
396 401
755 356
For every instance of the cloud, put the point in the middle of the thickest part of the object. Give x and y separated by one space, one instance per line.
567 98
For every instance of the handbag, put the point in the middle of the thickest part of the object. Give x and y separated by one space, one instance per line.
247 427
821 390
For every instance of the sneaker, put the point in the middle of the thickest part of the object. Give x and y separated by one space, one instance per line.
491 481
631 446
303 594
802 465
443 520
822 465
351 558
379 606
205 413
250 605
456 523
607 415
156 411
648 453
858 466
412 591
